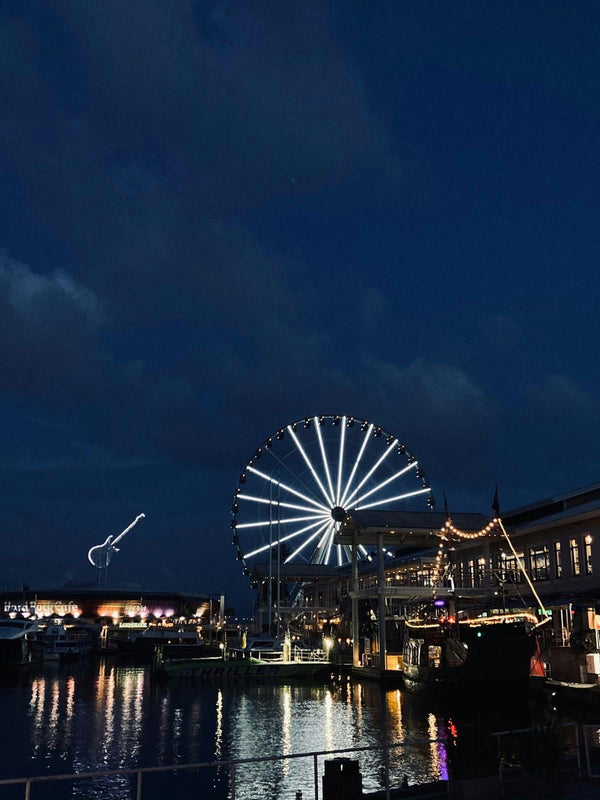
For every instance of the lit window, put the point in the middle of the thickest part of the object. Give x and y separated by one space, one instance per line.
471 566
575 565
557 560
513 570
539 562
587 554
480 571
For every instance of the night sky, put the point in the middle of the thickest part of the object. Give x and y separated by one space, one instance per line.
217 217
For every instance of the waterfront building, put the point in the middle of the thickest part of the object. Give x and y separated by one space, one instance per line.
556 541
116 605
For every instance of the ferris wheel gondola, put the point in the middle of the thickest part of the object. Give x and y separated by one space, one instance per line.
298 487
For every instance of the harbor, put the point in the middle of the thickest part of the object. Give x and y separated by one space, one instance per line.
300 484
100 716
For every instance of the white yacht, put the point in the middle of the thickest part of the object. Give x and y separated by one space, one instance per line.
16 642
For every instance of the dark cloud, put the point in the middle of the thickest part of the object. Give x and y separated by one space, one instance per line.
217 217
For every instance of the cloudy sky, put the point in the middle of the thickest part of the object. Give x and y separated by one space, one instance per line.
217 217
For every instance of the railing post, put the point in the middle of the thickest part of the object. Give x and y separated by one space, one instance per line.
138 793
316 767
232 781
577 749
27 790
386 771
587 751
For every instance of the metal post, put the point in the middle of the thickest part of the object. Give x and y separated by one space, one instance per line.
278 622
232 781
500 773
587 751
381 603
270 575
386 769
316 766
355 625
138 794
27 790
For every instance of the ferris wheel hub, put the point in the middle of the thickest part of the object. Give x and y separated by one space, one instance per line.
338 514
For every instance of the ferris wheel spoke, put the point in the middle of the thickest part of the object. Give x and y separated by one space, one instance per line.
324 457
285 538
288 488
356 463
292 473
329 543
276 503
371 471
392 499
308 461
385 483
321 472
287 521
320 548
340 462
303 545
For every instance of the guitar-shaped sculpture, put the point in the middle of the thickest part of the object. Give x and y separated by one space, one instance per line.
100 555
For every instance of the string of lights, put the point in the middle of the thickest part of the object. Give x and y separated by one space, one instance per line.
447 528
485 531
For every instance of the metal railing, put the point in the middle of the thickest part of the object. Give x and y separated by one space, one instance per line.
232 765
587 730
507 772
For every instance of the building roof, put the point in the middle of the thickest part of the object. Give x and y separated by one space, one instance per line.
106 592
403 529
572 502
297 572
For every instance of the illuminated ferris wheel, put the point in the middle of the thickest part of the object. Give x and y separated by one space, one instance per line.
296 490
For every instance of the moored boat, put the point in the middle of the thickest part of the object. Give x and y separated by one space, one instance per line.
174 643
16 643
488 651
258 657
59 643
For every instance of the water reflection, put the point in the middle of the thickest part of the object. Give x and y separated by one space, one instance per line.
105 716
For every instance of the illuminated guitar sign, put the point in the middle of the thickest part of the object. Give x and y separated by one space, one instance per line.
100 555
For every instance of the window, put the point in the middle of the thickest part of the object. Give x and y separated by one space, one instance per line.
471 567
587 554
539 562
575 565
557 560
502 565
480 571
513 571
461 573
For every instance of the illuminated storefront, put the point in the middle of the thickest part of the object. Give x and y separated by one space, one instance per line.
105 603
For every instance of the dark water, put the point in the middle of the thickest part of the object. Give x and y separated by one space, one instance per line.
101 715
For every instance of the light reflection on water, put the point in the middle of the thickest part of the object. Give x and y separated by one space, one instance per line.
105 716
325 718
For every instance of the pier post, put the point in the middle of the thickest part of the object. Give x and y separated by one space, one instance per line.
381 603
355 628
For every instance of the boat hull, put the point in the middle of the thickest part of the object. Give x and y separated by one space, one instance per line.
208 669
